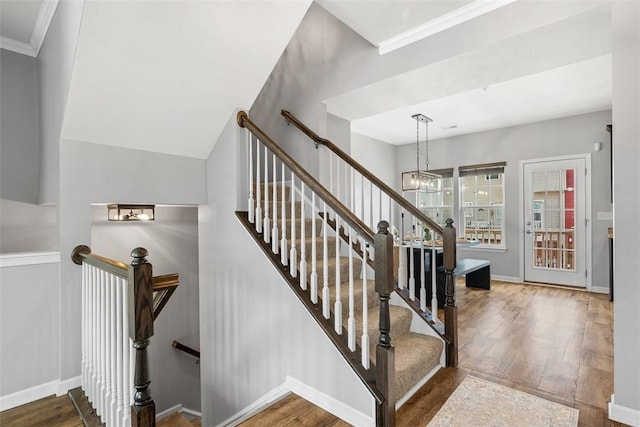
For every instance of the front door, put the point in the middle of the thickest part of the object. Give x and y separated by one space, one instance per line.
554 222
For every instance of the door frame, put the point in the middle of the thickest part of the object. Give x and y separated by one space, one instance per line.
588 229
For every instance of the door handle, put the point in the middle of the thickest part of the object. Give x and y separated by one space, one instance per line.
529 232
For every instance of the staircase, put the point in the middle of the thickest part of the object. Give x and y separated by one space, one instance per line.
417 354
342 271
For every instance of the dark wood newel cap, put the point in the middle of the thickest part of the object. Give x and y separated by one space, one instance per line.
383 227
139 255
78 251
449 223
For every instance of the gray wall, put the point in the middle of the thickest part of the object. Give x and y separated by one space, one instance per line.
254 331
172 242
19 127
559 137
93 173
25 227
29 326
626 157
55 63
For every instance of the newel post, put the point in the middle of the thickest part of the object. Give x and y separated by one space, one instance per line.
143 410
450 309
385 353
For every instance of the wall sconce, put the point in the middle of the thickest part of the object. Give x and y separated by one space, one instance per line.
118 212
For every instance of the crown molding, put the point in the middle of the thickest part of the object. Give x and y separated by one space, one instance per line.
45 16
441 23
16 46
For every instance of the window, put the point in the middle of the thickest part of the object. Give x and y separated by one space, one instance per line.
439 205
482 202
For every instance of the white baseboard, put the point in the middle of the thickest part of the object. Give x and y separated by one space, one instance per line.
510 279
177 408
417 387
65 385
622 414
600 289
28 395
328 403
263 402
167 412
57 387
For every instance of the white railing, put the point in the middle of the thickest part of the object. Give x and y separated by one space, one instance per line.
332 268
107 350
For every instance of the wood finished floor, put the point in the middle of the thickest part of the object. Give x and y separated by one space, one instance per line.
552 342
555 343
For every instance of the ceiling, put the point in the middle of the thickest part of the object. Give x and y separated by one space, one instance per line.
557 70
24 24
161 69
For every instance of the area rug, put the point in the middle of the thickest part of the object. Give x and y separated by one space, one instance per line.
477 402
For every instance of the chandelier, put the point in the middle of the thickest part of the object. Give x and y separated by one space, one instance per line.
421 180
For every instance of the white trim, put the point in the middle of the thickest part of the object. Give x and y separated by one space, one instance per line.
192 412
417 387
177 408
441 23
28 395
169 411
28 258
255 407
17 47
65 385
622 414
599 289
328 403
483 248
510 279
587 214
45 16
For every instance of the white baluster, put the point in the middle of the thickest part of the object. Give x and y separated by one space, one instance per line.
434 284
266 226
274 230
331 174
284 252
314 256
372 222
127 379
101 352
83 326
107 350
120 313
303 241
351 321
423 275
250 203
258 195
91 380
293 256
326 304
364 341
337 309
412 280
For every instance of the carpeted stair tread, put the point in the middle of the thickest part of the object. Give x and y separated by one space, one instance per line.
344 270
331 248
416 355
400 323
278 188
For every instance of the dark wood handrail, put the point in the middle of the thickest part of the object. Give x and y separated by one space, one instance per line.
404 203
82 253
325 195
165 286
448 234
185 348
